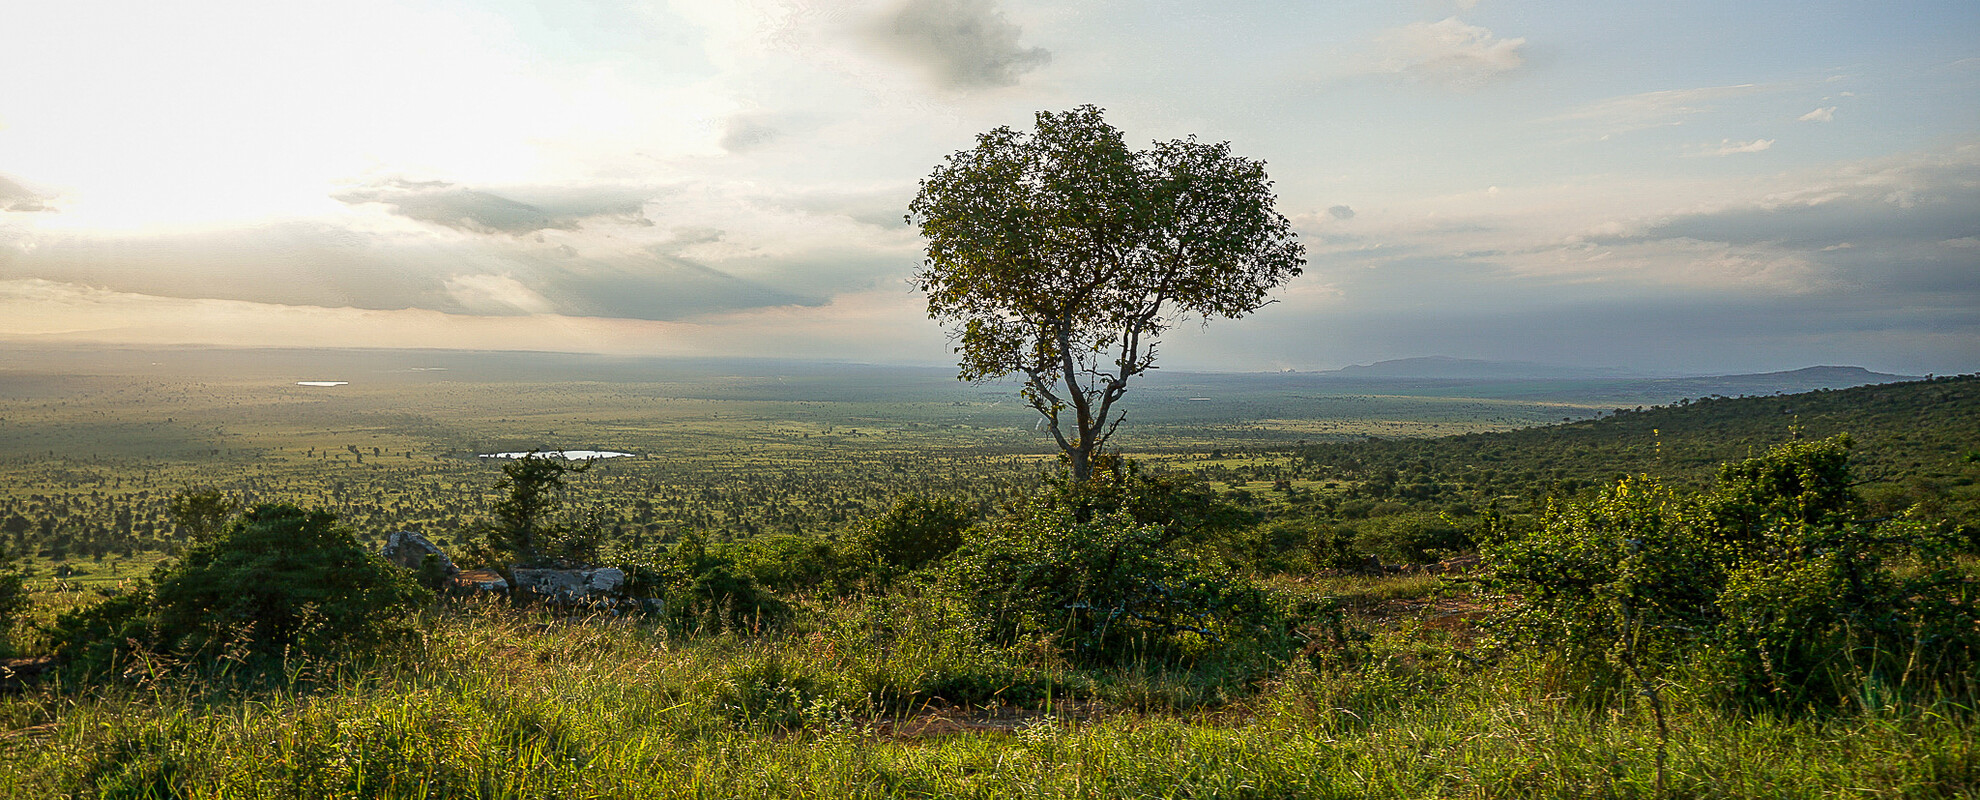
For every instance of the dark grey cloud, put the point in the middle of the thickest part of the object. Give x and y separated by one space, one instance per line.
657 286
1340 212
19 199
1910 230
479 211
968 43
1877 265
310 264
1472 309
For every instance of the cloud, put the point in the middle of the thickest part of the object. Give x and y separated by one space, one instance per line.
1824 114
1883 230
968 43
1448 53
745 132
1729 147
311 264
1663 108
881 206
16 198
476 211
1340 212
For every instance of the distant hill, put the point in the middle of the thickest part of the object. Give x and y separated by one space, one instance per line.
1446 368
1913 440
1790 382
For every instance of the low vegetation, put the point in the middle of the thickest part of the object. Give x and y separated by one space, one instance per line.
1778 627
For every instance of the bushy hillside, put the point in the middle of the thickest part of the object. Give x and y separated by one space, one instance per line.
1916 442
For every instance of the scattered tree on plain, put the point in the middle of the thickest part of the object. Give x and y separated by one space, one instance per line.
1063 255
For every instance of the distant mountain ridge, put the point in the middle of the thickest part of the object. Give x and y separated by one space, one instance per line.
1447 368
1807 379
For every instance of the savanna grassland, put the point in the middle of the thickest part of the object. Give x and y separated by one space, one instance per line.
869 582
92 450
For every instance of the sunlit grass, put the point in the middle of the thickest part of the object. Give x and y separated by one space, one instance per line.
497 703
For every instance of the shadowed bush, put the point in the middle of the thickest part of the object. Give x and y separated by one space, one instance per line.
280 579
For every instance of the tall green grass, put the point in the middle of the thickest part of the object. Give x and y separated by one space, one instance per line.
502 704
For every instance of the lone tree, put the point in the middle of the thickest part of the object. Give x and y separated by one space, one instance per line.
1063 255
525 531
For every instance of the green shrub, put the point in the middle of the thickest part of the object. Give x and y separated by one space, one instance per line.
788 563
915 532
770 689
13 601
1410 538
702 590
94 639
1113 569
279 580
1302 545
1767 587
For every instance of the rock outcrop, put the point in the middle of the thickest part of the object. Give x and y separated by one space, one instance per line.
410 550
571 584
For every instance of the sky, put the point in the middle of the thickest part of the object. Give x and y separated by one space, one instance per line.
1698 187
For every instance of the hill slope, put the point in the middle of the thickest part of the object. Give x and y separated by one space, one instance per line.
1915 442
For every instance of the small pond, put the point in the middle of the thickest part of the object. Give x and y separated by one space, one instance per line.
568 455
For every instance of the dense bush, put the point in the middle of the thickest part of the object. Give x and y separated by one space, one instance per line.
1769 588
280 579
702 590
1119 566
915 532
1301 545
13 601
788 563
1410 538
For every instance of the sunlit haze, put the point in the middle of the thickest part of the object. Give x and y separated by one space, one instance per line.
1683 186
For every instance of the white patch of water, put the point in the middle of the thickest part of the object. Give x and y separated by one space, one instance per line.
568 455
323 383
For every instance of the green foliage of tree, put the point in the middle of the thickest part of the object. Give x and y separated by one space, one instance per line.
280 579
1768 587
1063 255
786 563
1300 545
526 529
1187 509
201 513
1410 537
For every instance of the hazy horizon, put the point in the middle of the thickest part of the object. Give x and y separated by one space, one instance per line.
1685 188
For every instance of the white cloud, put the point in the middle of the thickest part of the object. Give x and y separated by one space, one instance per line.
496 294
1824 114
1634 112
1448 53
1728 147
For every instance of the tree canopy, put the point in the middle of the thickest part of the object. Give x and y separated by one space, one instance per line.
1062 255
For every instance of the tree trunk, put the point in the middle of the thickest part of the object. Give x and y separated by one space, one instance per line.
1082 463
